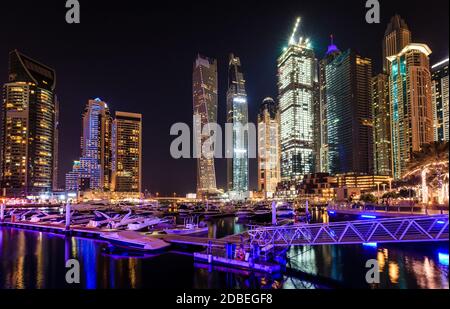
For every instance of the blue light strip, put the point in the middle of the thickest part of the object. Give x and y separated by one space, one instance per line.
370 244
368 217
443 258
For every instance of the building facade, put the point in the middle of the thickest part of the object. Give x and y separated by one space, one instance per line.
439 88
396 37
410 103
269 174
381 113
204 89
29 128
127 152
297 88
96 153
332 52
349 116
237 115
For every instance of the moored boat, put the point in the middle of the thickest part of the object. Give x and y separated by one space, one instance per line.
131 240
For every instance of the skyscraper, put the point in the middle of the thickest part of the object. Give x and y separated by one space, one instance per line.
297 73
29 126
439 88
349 123
127 152
95 161
269 174
204 89
381 114
396 37
96 142
410 100
237 115
332 52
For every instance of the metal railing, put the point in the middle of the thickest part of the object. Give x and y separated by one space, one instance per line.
416 229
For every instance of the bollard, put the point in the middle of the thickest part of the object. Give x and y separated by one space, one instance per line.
274 213
2 212
68 216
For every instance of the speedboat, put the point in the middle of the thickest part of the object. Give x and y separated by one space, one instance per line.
45 217
285 211
212 211
261 211
145 223
131 240
245 212
189 228
183 210
102 219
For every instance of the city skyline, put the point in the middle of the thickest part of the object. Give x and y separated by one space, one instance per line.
154 181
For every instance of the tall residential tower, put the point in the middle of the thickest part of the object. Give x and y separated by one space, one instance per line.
127 153
439 84
268 148
349 118
297 76
29 128
237 115
396 37
204 89
410 104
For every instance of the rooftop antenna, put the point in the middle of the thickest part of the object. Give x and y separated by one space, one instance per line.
294 31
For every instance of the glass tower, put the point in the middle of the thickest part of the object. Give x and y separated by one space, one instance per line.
410 103
349 122
297 75
95 147
204 89
237 115
332 52
29 124
381 114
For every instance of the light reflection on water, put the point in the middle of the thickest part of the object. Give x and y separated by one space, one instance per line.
31 259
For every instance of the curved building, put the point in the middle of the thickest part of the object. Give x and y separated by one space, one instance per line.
29 128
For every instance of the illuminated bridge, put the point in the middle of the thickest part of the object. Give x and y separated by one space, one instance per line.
393 230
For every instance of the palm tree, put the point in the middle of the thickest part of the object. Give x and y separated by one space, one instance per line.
435 152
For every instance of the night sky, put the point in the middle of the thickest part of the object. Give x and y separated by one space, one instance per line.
138 57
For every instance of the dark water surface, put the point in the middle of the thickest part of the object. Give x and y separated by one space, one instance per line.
30 259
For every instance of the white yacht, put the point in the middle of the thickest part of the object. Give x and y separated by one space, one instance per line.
131 240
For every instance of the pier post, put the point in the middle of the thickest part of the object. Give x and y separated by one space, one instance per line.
2 212
68 216
274 213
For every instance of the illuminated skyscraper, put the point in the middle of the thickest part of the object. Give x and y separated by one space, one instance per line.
411 108
29 128
439 84
204 89
396 37
269 151
95 161
237 114
349 122
381 114
127 152
297 75
331 54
